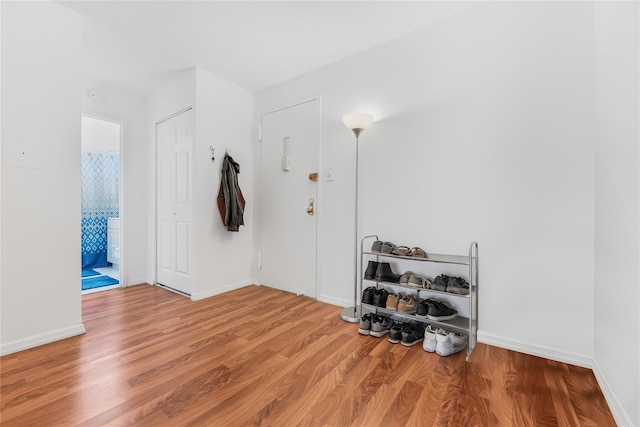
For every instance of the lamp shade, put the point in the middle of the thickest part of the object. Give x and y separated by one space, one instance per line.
355 121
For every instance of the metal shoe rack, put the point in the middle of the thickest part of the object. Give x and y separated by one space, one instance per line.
459 324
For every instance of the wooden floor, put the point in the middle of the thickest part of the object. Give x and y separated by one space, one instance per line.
257 356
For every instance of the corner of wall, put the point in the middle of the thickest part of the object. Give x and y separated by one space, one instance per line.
616 407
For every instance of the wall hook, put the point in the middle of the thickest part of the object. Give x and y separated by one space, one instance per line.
213 150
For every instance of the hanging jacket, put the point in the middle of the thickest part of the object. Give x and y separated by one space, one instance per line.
231 202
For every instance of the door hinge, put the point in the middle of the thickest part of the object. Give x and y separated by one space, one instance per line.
259 260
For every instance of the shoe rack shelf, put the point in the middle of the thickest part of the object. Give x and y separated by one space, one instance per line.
459 324
413 288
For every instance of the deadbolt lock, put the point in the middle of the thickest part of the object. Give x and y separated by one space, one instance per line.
313 176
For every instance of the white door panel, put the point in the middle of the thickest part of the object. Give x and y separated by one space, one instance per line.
287 231
174 238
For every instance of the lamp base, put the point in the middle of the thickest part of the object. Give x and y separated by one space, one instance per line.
350 314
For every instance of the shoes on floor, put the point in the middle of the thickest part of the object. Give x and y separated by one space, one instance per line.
457 285
385 274
412 335
448 343
395 333
367 295
429 343
380 325
392 302
370 272
365 324
380 297
407 304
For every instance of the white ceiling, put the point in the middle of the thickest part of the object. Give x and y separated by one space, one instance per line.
257 44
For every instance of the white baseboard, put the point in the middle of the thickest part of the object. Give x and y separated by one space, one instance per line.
218 291
536 350
135 282
335 301
617 410
38 340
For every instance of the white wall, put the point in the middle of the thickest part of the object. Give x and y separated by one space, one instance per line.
40 175
223 120
130 109
617 212
223 113
483 132
175 96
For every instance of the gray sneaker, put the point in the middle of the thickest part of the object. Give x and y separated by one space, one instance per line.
404 279
388 248
376 246
440 283
418 281
457 285
365 324
448 343
380 326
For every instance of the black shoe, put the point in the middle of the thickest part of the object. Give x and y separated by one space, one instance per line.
422 310
380 298
370 273
412 335
395 333
384 273
367 295
440 311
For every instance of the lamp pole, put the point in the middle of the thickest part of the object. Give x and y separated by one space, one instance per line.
357 122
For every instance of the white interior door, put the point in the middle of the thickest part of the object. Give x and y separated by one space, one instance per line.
174 202
287 230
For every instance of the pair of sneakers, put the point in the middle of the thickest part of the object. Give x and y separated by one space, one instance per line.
407 335
442 342
435 310
374 325
404 304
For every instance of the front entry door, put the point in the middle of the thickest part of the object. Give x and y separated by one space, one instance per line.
174 232
288 198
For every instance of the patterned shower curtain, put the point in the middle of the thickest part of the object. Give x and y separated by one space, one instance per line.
100 188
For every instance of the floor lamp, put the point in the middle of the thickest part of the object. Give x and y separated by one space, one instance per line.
358 123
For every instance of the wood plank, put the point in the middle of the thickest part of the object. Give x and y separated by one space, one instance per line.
258 356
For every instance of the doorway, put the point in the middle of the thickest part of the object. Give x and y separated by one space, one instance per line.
174 235
288 198
101 250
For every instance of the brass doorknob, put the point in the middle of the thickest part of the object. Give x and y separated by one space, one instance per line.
310 207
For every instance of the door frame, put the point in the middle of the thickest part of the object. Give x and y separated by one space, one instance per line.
314 97
121 191
155 193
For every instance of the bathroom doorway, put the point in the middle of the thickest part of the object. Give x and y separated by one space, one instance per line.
101 250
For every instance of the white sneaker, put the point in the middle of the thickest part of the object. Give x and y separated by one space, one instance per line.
429 343
448 343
